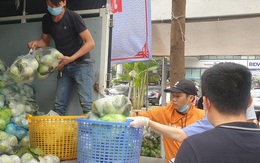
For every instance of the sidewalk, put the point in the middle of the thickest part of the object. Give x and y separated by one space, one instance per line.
142 160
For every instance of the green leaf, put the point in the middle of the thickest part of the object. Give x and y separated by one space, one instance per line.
37 151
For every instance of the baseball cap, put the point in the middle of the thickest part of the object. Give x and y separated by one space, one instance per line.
185 86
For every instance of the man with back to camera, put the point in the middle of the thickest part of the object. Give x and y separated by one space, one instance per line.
226 96
74 41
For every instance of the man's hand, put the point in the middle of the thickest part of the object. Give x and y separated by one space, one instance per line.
64 60
32 44
139 121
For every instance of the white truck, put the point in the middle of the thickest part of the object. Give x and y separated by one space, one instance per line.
17 30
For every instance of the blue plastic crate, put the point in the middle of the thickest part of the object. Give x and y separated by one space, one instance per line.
108 142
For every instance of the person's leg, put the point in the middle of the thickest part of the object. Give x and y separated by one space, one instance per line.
84 86
63 93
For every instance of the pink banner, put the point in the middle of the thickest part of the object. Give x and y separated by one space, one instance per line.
131 35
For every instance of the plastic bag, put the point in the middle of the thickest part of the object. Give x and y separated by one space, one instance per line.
118 104
48 59
23 68
18 131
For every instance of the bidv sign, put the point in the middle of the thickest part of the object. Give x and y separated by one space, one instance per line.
254 64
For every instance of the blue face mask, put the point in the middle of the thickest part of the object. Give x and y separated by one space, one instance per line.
55 11
183 109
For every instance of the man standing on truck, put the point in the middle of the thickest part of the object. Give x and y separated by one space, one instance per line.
74 41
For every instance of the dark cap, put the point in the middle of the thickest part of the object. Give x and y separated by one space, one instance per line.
185 86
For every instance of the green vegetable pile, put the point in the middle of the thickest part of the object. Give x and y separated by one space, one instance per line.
17 99
151 143
110 108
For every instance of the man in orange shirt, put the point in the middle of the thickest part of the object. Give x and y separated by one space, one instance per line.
179 113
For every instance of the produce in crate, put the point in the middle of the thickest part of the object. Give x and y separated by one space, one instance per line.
48 59
113 118
118 104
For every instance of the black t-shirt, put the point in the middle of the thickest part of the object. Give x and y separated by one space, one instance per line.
237 142
65 33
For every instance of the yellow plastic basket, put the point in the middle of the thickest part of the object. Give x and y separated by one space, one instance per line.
55 135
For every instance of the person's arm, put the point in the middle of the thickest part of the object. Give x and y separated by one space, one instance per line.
88 46
41 43
175 134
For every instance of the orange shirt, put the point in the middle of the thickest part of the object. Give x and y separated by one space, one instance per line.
167 115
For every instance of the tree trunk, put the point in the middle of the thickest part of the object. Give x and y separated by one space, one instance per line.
177 64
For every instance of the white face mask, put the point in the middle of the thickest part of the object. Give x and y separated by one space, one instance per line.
205 110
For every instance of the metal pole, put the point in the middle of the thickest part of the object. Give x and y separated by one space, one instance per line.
164 80
109 75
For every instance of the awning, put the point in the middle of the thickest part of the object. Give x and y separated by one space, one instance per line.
220 38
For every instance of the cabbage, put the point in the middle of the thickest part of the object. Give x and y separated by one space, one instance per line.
28 158
15 159
13 141
2 66
2 101
16 107
20 120
33 63
25 141
48 59
4 145
118 104
2 124
14 70
3 135
5 115
5 159
2 84
23 68
8 143
113 118
49 159
43 69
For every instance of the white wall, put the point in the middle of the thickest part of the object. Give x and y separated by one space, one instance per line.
161 9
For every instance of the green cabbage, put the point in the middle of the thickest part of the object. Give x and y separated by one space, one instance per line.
118 104
48 59
113 118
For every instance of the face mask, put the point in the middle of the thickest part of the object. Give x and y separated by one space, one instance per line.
183 109
55 11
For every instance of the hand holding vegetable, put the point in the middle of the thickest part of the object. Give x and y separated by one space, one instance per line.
138 121
64 61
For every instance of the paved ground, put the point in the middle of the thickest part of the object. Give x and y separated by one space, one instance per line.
142 160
